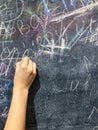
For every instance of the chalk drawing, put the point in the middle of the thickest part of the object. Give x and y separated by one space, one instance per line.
11 12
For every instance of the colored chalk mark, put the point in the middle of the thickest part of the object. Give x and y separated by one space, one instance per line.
65 5
72 42
46 8
72 3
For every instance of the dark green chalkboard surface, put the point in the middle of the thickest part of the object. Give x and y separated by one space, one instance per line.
61 36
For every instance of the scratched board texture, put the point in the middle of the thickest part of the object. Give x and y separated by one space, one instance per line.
61 36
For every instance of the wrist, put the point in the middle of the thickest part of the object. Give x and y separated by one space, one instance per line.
19 90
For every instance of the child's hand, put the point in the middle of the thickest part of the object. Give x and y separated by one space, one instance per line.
25 74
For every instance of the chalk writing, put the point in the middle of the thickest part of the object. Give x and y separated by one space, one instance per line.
93 110
62 35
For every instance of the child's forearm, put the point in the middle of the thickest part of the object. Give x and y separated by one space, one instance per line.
17 113
25 74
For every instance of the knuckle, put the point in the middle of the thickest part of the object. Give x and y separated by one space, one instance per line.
34 73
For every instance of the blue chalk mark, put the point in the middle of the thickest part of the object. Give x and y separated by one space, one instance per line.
4 79
72 42
72 3
86 2
46 8
9 85
65 5
53 1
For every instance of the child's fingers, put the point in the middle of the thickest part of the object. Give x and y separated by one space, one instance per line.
30 66
25 62
18 64
34 68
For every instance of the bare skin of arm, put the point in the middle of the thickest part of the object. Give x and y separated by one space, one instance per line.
24 76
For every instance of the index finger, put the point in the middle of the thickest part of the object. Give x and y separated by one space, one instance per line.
25 61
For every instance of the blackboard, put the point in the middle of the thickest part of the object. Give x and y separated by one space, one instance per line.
61 36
